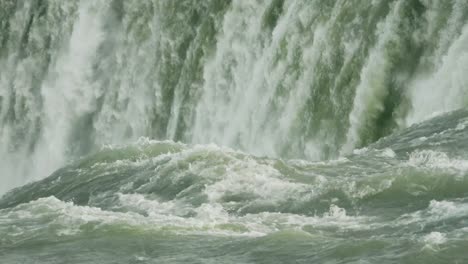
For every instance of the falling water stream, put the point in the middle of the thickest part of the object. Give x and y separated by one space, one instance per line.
218 131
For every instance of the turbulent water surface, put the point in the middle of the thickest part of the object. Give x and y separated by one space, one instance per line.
217 131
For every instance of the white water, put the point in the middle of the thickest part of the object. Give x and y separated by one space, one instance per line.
307 81
69 91
374 79
445 89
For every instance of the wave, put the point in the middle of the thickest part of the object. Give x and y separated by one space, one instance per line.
406 189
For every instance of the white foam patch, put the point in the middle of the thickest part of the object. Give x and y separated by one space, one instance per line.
360 151
336 212
436 159
388 153
307 163
434 239
436 211
153 207
445 209
69 219
462 125
47 216
263 181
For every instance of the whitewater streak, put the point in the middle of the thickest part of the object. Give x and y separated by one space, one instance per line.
292 79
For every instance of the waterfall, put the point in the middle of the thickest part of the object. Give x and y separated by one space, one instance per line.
291 79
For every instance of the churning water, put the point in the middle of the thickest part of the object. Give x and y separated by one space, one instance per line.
217 131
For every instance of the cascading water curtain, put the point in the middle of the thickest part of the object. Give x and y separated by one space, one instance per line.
291 79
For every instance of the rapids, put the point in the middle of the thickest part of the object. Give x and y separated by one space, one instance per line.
233 131
403 199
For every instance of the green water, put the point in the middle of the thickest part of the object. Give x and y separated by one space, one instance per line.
233 131
401 200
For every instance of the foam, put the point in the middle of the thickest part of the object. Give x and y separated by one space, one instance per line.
436 211
436 159
67 219
434 239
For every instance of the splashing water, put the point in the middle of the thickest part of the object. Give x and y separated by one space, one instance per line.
328 127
